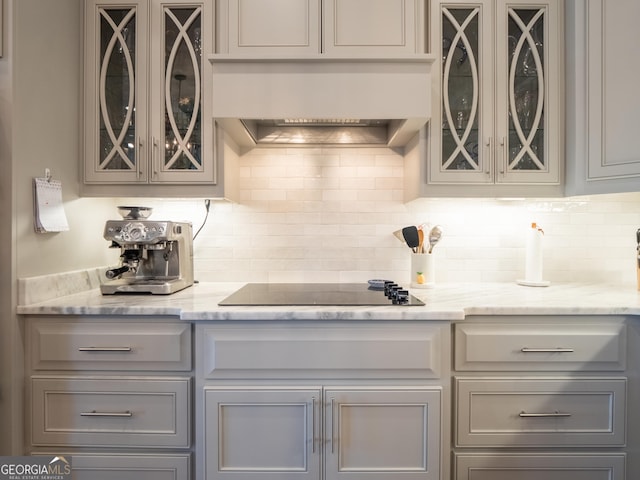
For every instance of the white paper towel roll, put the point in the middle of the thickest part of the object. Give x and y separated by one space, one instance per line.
533 258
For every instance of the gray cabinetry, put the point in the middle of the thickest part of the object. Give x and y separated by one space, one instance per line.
602 96
148 117
564 411
310 27
354 400
498 122
146 467
117 394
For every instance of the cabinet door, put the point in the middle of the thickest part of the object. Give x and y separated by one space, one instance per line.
276 27
613 100
181 137
366 27
462 124
115 91
262 433
382 433
528 84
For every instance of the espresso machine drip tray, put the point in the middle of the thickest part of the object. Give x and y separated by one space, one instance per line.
147 285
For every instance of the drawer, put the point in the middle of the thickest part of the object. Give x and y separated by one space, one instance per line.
302 351
122 412
550 466
542 347
138 467
512 412
69 345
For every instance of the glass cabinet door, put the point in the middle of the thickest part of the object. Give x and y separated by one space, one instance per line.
528 86
182 100
526 70
177 92
465 144
117 68
460 89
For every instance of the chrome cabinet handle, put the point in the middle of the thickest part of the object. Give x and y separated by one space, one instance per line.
503 158
313 424
547 350
140 145
93 413
154 157
489 163
333 430
104 349
544 415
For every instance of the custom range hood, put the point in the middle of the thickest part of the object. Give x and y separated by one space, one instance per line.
322 100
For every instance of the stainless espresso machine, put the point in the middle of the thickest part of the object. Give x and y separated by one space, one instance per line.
156 256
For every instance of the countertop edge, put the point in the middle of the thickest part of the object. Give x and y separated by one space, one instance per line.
448 302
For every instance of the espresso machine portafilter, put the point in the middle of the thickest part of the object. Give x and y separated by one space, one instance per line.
155 256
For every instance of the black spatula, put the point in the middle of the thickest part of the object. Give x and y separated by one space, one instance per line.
412 238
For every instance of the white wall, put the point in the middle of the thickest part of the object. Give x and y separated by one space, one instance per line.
46 134
328 215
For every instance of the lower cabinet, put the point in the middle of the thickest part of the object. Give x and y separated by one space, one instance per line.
300 400
541 399
113 394
296 433
469 466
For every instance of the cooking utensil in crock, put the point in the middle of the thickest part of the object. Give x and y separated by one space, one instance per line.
410 235
434 237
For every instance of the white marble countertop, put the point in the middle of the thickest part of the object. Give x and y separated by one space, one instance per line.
443 302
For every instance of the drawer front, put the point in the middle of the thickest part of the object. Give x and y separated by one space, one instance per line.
512 412
122 412
332 351
500 347
125 466
592 466
67 345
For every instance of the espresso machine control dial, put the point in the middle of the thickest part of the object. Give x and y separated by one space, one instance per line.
136 232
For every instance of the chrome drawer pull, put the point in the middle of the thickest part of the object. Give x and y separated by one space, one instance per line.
104 349
547 350
93 413
542 415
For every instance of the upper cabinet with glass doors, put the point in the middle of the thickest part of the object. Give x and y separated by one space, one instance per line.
499 120
147 116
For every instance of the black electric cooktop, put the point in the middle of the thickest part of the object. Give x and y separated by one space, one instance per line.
310 294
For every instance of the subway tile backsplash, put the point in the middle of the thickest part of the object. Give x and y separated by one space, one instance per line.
328 215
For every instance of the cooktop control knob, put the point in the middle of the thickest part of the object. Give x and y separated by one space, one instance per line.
402 297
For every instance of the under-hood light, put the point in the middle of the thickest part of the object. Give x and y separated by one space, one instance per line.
324 121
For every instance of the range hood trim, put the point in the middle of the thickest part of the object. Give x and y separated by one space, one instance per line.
248 89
